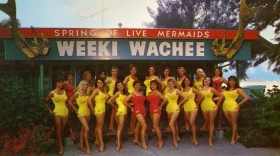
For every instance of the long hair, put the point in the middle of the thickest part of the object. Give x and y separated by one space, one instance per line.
80 88
221 71
116 88
95 83
236 82
183 84
211 81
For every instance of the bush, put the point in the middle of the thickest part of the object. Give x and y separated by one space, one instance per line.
34 141
22 112
258 121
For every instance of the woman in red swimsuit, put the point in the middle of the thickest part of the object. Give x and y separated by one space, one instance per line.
218 80
154 97
69 88
137 98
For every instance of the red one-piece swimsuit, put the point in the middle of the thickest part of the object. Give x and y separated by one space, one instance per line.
218 83
138 102
154 101
69 90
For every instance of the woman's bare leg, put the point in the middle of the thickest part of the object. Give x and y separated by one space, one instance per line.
156 119
141 120
121 119
172 125
100 124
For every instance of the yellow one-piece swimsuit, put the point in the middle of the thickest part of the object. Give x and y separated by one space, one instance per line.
198 85
190 104
230 103
121 107
208 104
100 100
166 86
111 87
129 85
59 101
147 84
82 102
172 105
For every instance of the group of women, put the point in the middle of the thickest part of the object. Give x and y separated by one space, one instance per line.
181 95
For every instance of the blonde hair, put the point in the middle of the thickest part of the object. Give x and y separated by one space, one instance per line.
80 86
85 74
202 71
115 68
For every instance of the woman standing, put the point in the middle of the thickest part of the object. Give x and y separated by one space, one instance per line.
231 107
120 93
200 75
166 74
137 97
99 97
60 112
111 85
151 76
198 84
83 114
218 80
154 98
190 106
209 108
69 88
182 75
128 81
173 107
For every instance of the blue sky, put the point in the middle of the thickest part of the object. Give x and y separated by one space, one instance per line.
104 14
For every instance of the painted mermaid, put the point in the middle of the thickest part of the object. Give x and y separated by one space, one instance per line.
40 48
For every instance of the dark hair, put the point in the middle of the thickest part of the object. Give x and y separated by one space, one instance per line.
95 83
102 71
165 69
152 66
58 79
116 88
155 82
211 81
66 76
183 82
137 82
131 67
221 71
236 82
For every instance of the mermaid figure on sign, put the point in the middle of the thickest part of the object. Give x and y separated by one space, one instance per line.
40 48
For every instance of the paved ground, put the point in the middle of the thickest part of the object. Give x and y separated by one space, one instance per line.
221 148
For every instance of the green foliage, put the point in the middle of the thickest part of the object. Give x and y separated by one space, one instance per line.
26 126
258 123
20 106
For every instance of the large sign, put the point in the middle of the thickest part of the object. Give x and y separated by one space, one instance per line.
125 49
130 33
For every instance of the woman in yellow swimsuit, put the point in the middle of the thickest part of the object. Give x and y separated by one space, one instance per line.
128 82
120 93
181 71
208 106
60 112
200 75
99 97
166 74
190 106
83 113
151 76
111 85
231 107
173 107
